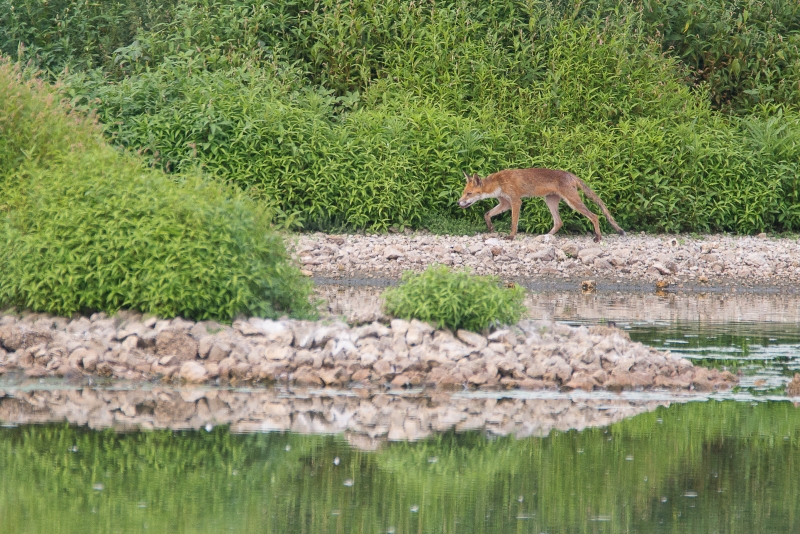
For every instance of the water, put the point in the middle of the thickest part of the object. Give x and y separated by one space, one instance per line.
696 467
283 460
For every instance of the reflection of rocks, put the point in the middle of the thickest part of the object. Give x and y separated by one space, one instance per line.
367 419
531 355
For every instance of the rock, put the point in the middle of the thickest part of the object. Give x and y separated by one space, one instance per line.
399 326
16 337
168 361
417 330
476 341
362 375
204 346
90 361
588 255
77 356
660 268
278 352
179 344
582 381
332 377
36 372
603 264
557 370
496 251
219 351
391 253
571 250
241 371
382 368
532 384
274 331
307 378
193 372
755 259
793 387
545 254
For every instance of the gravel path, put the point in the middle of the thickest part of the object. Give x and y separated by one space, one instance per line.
679 260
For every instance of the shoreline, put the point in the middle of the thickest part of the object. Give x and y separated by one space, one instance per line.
708 263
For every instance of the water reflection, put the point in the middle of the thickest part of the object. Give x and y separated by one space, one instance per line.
366 419
695 467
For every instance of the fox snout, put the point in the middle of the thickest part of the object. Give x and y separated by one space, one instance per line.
464 203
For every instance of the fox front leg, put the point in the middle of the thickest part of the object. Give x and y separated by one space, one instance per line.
501 207
516 205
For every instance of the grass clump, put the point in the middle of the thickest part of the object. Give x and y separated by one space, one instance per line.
455 299
84 227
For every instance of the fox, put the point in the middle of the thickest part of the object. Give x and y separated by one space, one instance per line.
510 186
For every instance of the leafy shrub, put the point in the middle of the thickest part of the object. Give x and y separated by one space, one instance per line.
86 228
362 115
454 299
747 51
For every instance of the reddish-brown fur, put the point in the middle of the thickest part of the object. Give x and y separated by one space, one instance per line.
512 185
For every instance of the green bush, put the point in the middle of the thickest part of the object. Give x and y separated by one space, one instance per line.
455 299
362 115
85 228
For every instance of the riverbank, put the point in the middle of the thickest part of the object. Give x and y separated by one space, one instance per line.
681 261
530 355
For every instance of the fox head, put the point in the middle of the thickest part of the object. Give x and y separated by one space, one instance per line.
473 191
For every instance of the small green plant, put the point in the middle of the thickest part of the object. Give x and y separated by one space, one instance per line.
455 299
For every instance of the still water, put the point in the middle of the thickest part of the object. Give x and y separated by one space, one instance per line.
272 460
695 467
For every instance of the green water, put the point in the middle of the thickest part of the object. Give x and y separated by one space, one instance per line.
697 467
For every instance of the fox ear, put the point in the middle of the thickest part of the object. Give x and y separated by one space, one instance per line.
476 178
467 176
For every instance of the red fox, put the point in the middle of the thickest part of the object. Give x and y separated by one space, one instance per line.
512 185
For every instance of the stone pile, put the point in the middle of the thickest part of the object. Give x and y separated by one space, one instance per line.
402 354
366 420
705 260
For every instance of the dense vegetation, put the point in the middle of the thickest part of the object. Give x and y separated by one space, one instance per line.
683 115
455 299
86 228
635 476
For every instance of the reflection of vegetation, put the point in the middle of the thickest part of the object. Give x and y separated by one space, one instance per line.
740 460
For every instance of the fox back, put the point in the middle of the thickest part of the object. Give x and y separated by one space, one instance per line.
515 184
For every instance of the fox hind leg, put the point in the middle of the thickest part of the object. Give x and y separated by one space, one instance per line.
552 201
502 207
574 201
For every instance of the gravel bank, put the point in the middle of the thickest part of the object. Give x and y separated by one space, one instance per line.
530 355
706 261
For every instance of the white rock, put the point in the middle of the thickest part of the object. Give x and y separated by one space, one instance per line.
193 372
476 341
